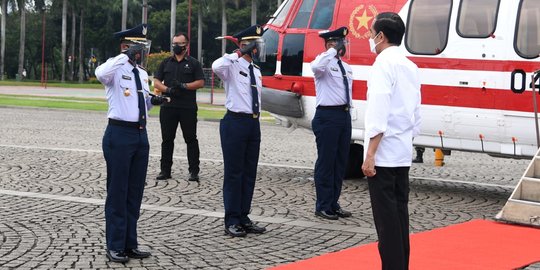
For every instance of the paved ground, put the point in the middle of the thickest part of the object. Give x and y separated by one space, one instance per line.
52 179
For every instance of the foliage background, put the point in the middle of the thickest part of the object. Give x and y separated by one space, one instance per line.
101 18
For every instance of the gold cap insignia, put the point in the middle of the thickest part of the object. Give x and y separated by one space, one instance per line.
144 30
258 31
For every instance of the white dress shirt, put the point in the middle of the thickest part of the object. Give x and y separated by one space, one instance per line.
234 72
329 86
393 108
121 90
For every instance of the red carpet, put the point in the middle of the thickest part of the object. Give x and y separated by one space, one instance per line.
473 245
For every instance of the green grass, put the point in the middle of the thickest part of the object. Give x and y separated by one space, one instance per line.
51 84
206 111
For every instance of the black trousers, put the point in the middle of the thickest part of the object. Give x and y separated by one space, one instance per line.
332 129
240 143
389 192
126 151
169 118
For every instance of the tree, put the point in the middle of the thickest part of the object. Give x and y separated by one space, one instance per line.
81 46
72 47
3 10
22 35
223 25
64 38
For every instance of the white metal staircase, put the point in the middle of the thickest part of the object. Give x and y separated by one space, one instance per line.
523 207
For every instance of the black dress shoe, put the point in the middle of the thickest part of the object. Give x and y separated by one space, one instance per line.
194 177
137 254
117 256
235 231
252 228
326 214
342 213
163 176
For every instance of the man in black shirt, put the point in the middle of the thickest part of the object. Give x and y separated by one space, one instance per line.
178 77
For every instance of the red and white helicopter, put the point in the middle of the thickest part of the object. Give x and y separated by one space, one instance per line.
476 58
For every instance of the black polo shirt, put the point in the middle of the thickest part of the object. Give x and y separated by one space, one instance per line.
186 71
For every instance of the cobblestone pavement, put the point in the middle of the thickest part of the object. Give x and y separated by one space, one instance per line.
52 179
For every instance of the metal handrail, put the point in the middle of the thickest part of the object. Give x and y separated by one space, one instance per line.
535 75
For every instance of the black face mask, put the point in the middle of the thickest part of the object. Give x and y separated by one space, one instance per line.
177 49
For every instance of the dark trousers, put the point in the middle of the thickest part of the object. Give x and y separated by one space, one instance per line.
240 143
332 128
126 151
389 192
169 118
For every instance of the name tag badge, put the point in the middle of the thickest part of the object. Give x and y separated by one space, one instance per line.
126 77
243 73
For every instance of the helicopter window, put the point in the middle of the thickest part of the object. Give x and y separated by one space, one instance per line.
427 26
322 15
281 14
527 39
477 18
302 17
271 39
292 54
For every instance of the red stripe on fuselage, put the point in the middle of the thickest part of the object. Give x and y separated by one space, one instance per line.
495 99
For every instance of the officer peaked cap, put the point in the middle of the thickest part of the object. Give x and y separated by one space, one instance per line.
252 32
336 34
136 33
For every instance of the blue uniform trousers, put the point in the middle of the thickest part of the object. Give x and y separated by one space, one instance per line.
126 151
240 143
332 129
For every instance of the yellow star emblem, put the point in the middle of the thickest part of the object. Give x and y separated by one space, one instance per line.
363 20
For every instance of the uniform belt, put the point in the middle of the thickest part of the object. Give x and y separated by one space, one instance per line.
121 123
344 107
246 115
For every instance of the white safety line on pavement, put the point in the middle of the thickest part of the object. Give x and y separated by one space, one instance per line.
196 212
266 164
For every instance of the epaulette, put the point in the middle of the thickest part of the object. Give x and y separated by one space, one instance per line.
141 67
257 67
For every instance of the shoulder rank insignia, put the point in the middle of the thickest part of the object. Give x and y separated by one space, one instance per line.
257 67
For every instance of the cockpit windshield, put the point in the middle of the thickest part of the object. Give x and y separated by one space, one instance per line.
281 14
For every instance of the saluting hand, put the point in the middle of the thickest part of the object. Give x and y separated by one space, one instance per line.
340 47
247 49
132 52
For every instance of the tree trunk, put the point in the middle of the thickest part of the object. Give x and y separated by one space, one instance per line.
145 11
253 12
199 34
81 44
173 18
22 38
223 26
64 37
3 39
124 14
72 51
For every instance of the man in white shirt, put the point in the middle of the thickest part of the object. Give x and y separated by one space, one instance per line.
392 119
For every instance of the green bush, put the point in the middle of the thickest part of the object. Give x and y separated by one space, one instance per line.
154 59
